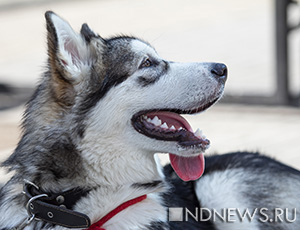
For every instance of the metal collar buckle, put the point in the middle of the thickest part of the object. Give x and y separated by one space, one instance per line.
55 208
28 206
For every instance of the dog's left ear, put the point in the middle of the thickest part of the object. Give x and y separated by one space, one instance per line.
69 53
87 33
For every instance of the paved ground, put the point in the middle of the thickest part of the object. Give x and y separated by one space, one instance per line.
238 33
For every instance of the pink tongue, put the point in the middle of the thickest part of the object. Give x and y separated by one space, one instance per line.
188 168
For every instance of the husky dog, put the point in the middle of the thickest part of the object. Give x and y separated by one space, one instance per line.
90 131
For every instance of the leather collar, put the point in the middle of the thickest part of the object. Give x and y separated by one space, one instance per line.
56 208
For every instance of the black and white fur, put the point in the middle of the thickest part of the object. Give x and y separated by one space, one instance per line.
77 132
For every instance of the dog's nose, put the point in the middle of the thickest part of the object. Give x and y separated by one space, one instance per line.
219 71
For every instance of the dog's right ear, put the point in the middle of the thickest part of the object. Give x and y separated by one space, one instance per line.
70 54
71 57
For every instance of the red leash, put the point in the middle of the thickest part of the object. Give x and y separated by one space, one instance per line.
120 208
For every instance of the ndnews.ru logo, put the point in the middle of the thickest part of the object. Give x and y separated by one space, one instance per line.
231 215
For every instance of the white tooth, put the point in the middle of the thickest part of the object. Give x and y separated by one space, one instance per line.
198 133
164 125
156 121
155 118
180 128
149 120
172 127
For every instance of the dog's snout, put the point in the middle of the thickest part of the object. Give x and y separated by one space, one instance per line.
219 71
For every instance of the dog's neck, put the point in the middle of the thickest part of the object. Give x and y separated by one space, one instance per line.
120 176
114 166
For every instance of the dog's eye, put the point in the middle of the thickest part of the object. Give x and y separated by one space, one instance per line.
146 63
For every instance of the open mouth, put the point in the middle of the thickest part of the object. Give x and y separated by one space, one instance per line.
169 125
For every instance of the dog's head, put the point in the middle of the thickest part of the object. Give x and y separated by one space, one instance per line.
119 95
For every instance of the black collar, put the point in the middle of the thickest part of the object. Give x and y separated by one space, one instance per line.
56 208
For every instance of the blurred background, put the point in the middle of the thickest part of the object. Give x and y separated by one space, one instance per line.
259 41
